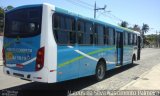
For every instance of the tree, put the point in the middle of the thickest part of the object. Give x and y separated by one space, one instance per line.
8 8
1 19
2 11
136 28
152 39
124 24
144 29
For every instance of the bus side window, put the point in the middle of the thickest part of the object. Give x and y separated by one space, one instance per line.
95 34
56 25
133 41
56 21
64 29
61 23
114 36
88 33
111 36
100 31
129 38
62 33
80 29
136 39
106 36
126 38
70 29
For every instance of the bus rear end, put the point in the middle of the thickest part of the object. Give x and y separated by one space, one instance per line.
24 48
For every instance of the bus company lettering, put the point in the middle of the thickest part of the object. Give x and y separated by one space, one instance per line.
19 50
22 58
18 54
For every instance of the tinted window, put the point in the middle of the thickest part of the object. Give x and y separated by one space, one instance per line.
99 34
111 36
106 36
62 23
130 39
135 39
56 21
23 22
64 29
80 26
125 38
88 33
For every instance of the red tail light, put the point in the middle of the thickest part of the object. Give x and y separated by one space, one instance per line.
40 59
4 57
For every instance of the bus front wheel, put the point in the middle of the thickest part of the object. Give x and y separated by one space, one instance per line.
100 71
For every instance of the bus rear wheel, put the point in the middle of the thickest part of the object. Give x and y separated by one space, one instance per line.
100 71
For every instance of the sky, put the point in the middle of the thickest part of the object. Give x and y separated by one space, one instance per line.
132 11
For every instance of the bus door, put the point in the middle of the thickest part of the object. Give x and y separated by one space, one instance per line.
119 47
139 48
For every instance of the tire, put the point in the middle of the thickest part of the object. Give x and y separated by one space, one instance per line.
100 71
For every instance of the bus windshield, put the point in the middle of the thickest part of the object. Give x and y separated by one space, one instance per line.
23 22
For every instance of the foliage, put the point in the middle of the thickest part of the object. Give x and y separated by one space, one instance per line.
136 28
150 38
8 8
2 11
124 24
145 28
1 19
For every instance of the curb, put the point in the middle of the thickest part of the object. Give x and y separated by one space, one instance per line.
141 76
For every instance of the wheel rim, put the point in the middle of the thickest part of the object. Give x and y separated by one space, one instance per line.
100 72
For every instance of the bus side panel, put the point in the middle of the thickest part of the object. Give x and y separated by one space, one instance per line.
93 55
80 61
111 58
88 64
68 63
128 52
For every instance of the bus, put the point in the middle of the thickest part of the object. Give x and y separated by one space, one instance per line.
49 44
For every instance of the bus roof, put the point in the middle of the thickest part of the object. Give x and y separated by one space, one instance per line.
60 10
23 6
63 11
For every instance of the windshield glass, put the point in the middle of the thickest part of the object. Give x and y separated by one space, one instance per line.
23 22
